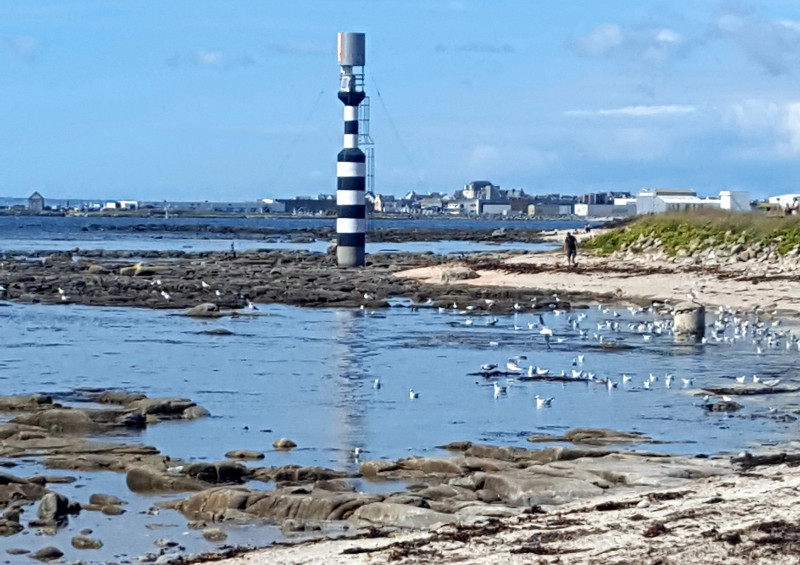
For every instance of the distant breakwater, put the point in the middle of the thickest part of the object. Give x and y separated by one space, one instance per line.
379 235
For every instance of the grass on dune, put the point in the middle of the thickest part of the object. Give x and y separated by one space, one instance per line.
701 229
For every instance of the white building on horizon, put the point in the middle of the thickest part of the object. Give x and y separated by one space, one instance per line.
660 200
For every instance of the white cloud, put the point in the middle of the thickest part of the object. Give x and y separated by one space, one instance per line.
650 45
773 127
637 111
24 47
601 41
772 44
301 49
489 160
211 60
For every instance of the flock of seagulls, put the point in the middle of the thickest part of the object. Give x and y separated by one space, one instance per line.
567 331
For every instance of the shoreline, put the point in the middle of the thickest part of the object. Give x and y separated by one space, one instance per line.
746 517
662 521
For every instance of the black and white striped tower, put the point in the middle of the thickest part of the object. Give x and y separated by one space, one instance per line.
351 168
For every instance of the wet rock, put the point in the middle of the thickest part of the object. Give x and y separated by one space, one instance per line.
283 443
295 526
194 413
214 534
55 507
80 421
215 501
121 398
430 465
458 274
163 408
10 527
218 331
296 474
105 500
593 436
400 515
86 542
111 510
17 551
244 454
216 473
377 466
319 506
150 480
140 270
24 403
49 553
723 406
205 310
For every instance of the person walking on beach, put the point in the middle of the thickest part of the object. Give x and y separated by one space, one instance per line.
571 247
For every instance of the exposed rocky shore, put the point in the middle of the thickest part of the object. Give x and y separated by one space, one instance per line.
178 280
476 484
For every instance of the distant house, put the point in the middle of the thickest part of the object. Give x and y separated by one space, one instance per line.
36 203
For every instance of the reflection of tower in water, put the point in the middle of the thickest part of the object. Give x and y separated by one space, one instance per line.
352 352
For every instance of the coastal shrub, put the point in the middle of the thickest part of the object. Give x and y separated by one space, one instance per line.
696 230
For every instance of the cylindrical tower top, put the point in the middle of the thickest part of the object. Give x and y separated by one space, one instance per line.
350 49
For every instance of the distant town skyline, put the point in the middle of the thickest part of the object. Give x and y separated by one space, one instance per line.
236 101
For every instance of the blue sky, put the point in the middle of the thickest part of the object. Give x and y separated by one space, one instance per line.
236 100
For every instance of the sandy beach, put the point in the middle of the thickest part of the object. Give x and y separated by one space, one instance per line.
747 514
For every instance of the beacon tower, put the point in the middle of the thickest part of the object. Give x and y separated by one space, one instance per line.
351 168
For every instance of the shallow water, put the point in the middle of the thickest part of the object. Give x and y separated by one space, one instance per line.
308 374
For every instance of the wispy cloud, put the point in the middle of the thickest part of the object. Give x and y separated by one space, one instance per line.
637 111
476 47
651 45
23 46
772 44
301 49
219 60
496 160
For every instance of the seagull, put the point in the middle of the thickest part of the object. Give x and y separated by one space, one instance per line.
610 384
166 295
756 379
687 382
625 378
376 384
542 372
486 367
771 382
726 398
646 384
542 402
740 379
668 381
218 293
498 390
513 364
367 296
205 285
412 394
251 306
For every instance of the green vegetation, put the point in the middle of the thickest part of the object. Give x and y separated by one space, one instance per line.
696 230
